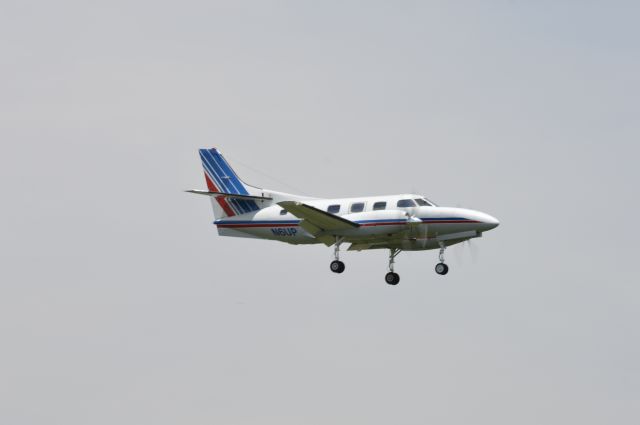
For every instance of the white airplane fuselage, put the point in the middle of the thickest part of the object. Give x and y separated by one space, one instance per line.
407 228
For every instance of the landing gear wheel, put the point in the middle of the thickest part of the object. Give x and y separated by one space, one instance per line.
442 268
392 278
337 266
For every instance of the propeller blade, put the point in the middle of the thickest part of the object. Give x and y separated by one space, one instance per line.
457 250
473 250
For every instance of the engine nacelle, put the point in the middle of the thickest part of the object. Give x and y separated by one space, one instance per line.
382 222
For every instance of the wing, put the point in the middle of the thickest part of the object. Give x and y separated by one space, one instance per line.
320 224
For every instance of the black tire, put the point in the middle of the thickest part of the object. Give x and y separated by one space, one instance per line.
392 278
337 266
442 269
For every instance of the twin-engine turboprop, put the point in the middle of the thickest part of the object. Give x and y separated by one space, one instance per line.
398 223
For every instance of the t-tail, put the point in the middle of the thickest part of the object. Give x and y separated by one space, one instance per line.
230 196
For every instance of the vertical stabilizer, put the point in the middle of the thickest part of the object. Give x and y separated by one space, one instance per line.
220 177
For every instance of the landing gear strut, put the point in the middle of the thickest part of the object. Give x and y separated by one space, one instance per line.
392 278
336 265
441 267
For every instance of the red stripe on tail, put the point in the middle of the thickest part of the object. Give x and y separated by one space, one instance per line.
221 200
212 187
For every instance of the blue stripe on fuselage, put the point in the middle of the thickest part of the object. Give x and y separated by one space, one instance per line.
385 221
445 219
256 222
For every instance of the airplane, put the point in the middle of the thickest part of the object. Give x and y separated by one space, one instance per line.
404 222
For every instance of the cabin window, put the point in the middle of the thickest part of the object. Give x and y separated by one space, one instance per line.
380 205
423 202
357 207
405 203
333 209
283 212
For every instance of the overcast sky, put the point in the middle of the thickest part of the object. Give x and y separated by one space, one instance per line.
120 304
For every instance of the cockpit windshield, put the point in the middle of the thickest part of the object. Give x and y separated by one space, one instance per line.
405 203
424 202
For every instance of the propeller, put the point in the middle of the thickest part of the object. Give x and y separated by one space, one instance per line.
417 229
473 250
466 249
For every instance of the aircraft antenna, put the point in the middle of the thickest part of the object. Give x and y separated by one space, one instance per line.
255 170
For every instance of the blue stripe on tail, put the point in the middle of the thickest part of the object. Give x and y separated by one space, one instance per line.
214 173
227 179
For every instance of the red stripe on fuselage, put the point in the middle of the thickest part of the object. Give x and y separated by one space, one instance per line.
256 225
362 225
450 221
424 222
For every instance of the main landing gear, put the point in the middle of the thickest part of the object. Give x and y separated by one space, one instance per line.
336 265
441 267
392 278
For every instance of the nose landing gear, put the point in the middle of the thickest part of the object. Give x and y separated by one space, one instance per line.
336 265
392 278
441 267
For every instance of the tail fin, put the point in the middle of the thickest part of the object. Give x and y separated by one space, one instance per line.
220 177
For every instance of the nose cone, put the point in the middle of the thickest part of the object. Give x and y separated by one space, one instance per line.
487 222
475 220
482 221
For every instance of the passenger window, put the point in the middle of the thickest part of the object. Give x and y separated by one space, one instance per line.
379 205
333 209
283 212
423 203
405 203
357 207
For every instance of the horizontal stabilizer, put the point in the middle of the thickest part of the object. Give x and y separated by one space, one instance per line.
318 219
230 195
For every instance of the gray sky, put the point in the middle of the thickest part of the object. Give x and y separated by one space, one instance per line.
120 304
